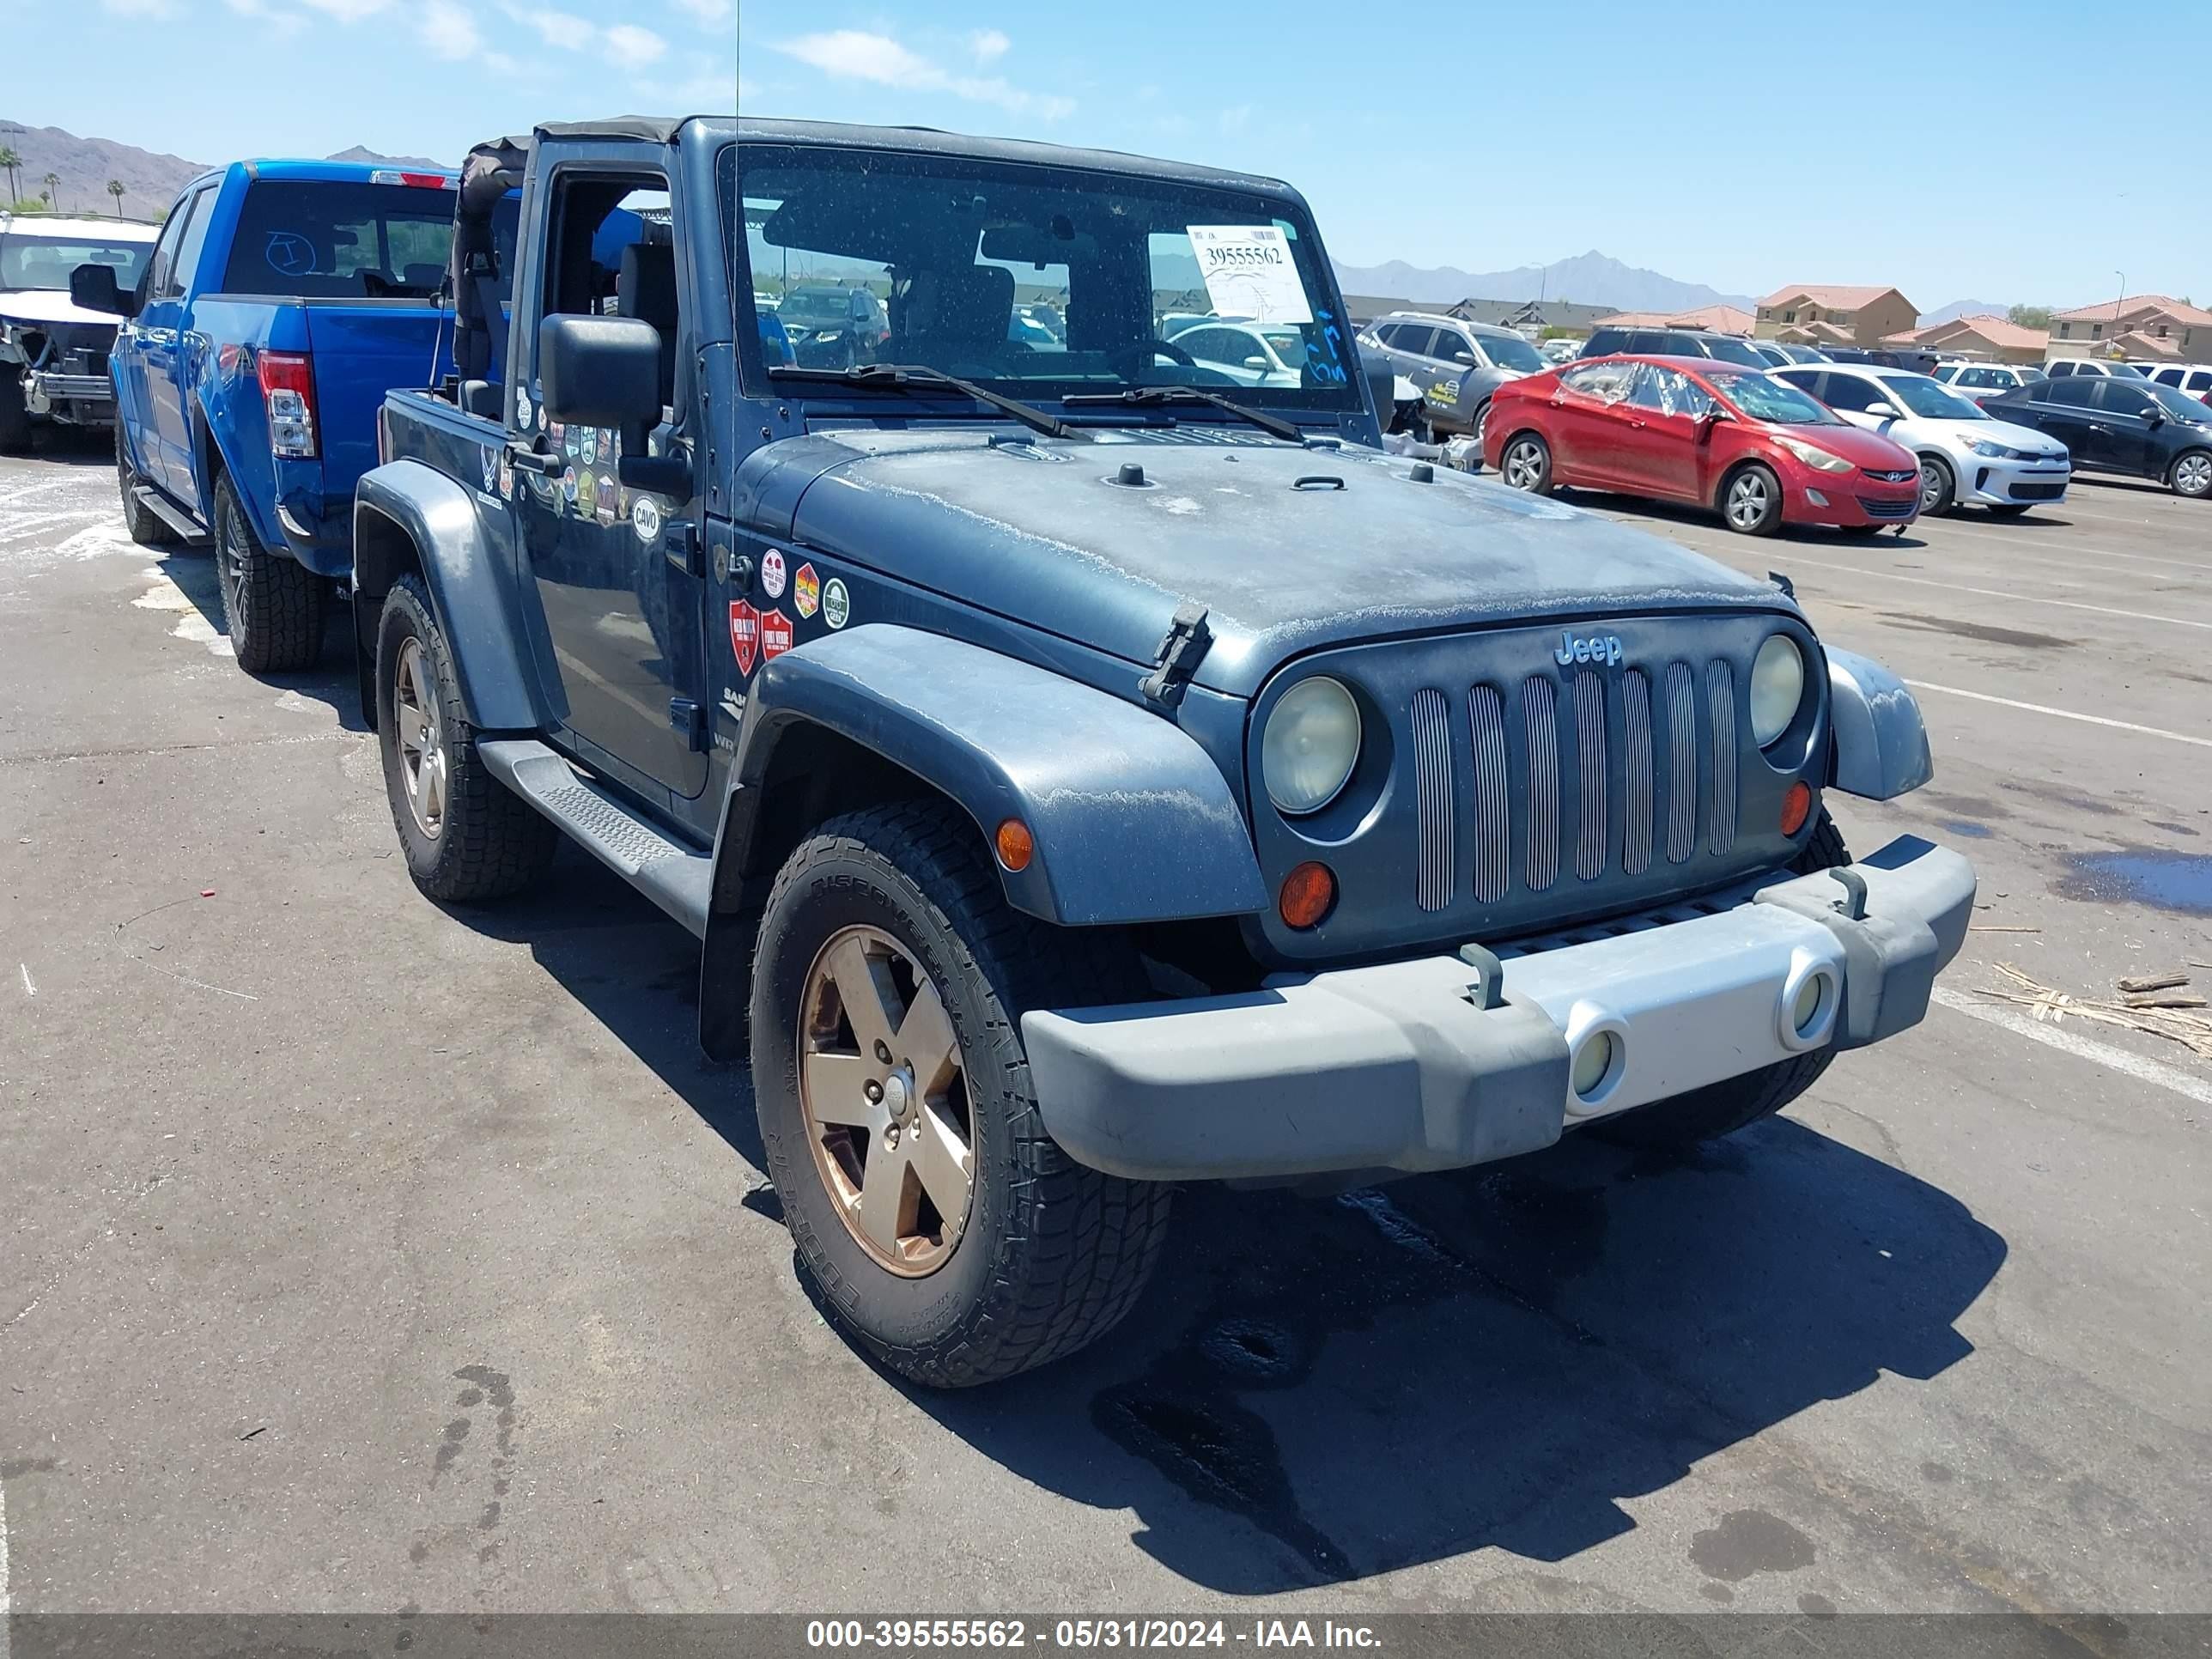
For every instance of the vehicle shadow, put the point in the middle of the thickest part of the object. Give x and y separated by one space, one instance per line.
330 681
1314 1390
1636 509
1498 1357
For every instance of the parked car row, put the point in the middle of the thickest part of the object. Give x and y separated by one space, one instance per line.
53 352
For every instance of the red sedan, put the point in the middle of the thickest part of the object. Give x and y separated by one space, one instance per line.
1760 453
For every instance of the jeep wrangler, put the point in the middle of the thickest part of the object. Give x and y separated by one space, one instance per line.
1086 773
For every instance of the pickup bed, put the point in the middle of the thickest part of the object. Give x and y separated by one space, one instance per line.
283 300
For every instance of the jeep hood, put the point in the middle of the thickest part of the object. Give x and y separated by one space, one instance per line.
1290 550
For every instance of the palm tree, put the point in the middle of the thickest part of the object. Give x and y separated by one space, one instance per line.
53 181
115 189
9 162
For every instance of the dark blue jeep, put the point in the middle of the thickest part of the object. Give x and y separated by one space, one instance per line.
1086 771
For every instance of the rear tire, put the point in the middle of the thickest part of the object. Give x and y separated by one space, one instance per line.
1751 500
272 604
1721 1109
2191 475
145 527
469 838
1939 487
14 417
1525 462
1044 1255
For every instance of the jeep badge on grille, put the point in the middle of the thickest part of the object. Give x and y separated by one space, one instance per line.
1598 648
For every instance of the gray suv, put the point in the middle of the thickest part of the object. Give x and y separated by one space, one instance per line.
1613 341
1456 365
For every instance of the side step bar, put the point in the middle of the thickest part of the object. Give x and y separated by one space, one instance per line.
675 877
171 514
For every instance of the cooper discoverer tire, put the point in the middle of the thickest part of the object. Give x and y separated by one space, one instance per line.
142 526
14 417
1721 1109
467 836
932 1212
272 604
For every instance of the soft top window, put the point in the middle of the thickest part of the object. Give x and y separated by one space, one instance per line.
341 242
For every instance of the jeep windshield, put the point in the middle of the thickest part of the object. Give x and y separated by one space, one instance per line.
950 262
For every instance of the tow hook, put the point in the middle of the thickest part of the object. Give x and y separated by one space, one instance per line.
1852 906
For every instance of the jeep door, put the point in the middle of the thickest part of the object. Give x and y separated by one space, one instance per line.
622 638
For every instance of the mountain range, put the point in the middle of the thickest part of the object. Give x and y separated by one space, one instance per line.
150 178
1591 278
1963 308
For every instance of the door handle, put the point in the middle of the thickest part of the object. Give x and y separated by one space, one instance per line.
529 460
160 336
1636 422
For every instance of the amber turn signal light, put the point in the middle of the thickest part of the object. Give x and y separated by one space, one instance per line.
1308 896
1797 807
1016 848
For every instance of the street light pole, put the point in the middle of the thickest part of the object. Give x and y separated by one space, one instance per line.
2118 303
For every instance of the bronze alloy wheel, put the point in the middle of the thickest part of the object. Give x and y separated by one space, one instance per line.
885 1099
418 723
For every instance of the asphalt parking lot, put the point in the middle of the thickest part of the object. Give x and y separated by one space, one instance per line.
356 1256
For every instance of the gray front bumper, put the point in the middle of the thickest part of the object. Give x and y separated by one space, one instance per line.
1394 1067
47 392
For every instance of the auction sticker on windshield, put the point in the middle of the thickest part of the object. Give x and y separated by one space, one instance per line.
1249 272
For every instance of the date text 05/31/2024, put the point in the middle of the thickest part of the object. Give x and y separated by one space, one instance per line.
912 1634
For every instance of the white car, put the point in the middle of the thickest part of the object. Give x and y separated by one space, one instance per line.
2195 379
2059 367
1980 380
1250 353
1966 459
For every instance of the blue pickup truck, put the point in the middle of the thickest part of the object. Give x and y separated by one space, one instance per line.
282 302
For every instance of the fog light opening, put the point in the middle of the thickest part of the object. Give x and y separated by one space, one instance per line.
1815 497
1595 1064
1807 1011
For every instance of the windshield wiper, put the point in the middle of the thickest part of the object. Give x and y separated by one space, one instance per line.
919 377
1141 397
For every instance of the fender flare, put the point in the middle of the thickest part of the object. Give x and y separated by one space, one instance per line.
408 516
1131 820
1880 741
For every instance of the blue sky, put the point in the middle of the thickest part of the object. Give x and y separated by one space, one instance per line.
1740 147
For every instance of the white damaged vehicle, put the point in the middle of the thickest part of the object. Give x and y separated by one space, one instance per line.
53 353
1967 457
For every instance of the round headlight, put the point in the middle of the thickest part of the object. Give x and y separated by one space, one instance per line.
1312 743
1778 686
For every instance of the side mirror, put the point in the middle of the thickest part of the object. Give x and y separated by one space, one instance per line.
605 371
1882 409
94 288
1255 362
2156 419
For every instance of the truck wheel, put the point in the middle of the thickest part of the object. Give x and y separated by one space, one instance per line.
272 604
144 527
936 1217
14 418
1722 1108
467 837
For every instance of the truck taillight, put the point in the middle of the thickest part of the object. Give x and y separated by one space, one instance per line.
414 180
287 388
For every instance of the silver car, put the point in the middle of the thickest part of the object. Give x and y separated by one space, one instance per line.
1456 364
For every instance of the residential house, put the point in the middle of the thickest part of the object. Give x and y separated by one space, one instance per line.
1718 320
2148 326
1824 314
1530 317
1982 337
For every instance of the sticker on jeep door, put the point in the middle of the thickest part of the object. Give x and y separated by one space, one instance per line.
745 635
775 634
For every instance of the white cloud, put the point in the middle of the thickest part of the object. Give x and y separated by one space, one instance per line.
707 11
563 29
276 22
449 32
349 11
633 47
860 55
988 44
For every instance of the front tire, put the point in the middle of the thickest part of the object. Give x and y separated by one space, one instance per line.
2191 475
930 1210
14 414
1526 464
1721 1109
467 837
1751 501
1939 487
272 604
143 526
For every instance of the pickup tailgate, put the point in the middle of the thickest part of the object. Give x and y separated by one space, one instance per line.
361 351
